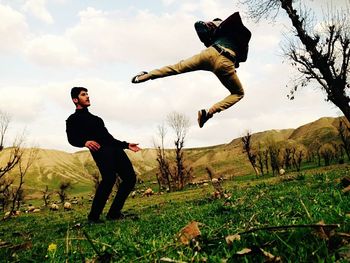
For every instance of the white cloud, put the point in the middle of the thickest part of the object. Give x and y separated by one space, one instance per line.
139 40
212 9
144 39
55 51
13 29
168 2
265 37
62 1
38 9
23 103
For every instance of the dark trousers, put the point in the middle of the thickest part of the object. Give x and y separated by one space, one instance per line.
112 162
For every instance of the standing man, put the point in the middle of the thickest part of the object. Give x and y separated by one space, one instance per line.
86 129
227 46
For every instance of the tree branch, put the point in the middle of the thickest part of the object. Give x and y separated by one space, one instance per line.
274 228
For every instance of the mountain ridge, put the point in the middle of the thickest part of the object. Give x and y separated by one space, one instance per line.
228 160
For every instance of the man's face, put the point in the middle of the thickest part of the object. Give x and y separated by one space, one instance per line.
83 100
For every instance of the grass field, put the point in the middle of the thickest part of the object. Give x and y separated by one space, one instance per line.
295 203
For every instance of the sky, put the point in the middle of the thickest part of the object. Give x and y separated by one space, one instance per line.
49 46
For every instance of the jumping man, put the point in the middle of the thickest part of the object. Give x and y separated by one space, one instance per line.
227 46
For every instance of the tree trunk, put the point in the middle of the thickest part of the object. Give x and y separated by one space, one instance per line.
336 85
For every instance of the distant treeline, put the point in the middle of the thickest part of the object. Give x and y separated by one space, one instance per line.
278 157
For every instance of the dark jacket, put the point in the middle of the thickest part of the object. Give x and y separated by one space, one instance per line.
233 30
82 126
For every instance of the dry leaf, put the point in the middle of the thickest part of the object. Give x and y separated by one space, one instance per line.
269 257
344 235
244 251
171 260
256 250
189 232
346 189
231 238
227 196
4 243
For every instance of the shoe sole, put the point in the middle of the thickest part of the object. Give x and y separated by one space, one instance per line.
136 80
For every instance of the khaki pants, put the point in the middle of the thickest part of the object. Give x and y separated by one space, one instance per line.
210 60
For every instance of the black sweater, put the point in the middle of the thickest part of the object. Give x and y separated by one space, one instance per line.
82 126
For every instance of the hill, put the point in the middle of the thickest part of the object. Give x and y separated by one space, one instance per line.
227 160
52 167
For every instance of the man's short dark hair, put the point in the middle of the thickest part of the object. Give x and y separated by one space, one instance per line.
74 93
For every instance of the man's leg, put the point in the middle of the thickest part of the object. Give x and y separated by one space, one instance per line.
127 174
224 104
201 61
102 193
226 73
225 70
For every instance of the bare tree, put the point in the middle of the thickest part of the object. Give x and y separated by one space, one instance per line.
274 155
266 159
344 133
287 157
180 124
63 187
24 164
327 153
338 152
4 124
164 175
46 195
297 158
10 156
260 159
247 148
15 151
321 57
314 150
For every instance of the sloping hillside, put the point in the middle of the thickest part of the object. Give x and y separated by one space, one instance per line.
227 160
52 167
324 130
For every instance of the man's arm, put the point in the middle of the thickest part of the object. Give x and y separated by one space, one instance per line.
107 137
121 144
75 135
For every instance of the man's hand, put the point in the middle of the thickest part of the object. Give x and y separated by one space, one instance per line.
92 145
133 147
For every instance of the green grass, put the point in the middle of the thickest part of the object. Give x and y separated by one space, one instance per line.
307 199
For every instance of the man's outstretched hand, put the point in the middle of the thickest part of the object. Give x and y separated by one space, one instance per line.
134 147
